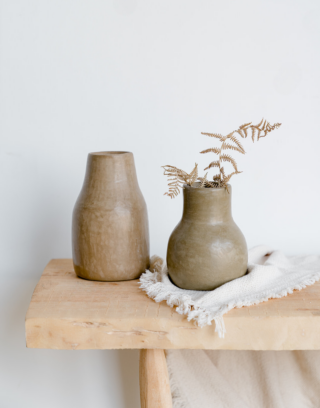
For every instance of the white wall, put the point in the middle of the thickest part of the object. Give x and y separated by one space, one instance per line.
148 77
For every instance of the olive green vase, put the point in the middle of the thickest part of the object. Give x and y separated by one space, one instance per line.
110 233
207 248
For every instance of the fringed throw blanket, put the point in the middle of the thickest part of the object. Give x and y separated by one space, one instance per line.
271 274
244 379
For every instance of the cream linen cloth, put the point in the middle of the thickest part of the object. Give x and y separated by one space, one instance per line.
271 274
240 379
244 379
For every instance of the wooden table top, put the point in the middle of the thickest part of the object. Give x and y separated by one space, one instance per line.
67 312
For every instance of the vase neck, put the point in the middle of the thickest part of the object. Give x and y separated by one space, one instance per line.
110 176
110 168
207 205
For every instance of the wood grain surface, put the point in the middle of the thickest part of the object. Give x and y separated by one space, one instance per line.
67 312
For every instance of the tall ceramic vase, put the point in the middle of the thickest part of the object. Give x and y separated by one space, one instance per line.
110 233
206 249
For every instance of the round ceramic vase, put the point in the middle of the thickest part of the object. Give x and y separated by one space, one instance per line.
207 248
110 233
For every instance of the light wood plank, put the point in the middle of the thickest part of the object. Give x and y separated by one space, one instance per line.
67 312
154 380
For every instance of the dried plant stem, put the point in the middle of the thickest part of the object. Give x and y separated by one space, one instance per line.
178 177
262 129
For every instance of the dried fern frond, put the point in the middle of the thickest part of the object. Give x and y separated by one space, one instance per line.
243 135
207 184
189 179
259 133
204 182
216 135
263 128
227 158
253 133
259 130
245 125
227 179
178 177
215 150
174 188
183 176
173 171
236 141
213 164
193 176
259 124
226 146
268 128
174 181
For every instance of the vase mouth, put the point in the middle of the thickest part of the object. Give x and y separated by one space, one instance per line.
109 153
196 187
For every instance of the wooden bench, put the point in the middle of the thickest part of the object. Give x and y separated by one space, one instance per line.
70 313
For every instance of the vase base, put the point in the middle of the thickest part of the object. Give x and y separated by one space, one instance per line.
110 277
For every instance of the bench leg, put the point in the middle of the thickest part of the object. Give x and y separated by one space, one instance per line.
154 380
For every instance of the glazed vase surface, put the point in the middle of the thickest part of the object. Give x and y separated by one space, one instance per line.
207 248
110 232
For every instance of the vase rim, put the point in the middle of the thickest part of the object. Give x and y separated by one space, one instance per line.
109 153
196 187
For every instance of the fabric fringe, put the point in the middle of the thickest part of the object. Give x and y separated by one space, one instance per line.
151 283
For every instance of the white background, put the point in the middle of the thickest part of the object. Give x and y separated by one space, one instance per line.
148 77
